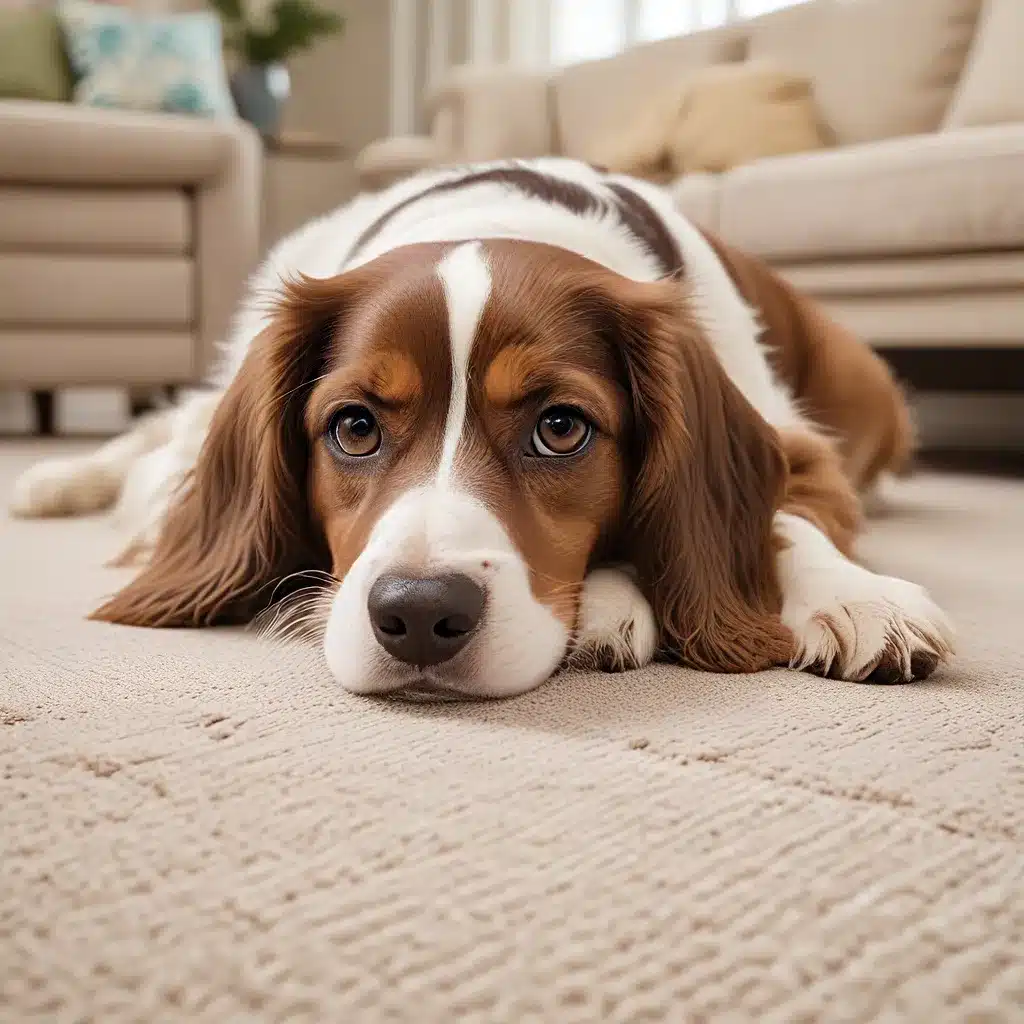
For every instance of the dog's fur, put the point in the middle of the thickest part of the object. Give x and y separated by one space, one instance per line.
710 517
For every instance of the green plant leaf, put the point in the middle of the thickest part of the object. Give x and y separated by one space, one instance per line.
297 25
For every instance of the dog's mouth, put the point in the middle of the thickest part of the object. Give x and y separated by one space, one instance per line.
423 686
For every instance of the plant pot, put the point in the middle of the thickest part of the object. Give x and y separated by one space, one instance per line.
259 91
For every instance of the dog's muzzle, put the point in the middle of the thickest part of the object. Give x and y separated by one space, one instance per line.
425 621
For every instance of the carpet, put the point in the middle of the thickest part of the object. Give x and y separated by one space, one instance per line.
196 826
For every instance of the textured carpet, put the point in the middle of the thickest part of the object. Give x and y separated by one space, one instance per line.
195 826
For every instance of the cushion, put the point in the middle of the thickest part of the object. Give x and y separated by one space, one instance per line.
139 221
991 88
697 196
32 61
881 68
138 60
947 192
718 118
598 98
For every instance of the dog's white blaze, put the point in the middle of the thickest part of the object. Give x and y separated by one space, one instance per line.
466 279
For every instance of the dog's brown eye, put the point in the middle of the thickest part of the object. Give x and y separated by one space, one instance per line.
355 430
561 430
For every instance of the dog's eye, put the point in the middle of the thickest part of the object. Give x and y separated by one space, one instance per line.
355 430
561 430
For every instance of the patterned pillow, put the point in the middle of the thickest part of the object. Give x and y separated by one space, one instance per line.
137 60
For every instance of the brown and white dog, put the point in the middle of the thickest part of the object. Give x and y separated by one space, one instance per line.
519 414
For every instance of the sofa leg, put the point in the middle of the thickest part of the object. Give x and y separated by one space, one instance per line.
141 402
44 406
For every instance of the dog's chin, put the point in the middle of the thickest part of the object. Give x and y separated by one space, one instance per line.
489 669
463 680
427 687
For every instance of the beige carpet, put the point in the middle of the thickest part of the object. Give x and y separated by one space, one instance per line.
196 827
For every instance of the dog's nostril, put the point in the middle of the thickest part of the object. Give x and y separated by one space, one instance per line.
453 626
424 621
392 625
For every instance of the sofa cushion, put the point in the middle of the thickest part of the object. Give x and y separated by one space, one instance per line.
147 60
698 196
47 290
599 98
95 220
991 89
715 119
76 356
947 192
881 68
33 65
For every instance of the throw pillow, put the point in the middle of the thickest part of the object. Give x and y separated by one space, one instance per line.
33 65
716 119
137 60
991 89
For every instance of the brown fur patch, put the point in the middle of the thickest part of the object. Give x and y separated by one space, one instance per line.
817 488
253 513
838 380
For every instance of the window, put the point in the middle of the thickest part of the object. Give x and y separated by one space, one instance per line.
587 29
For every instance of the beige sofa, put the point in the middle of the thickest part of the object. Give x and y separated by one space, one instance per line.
911 229
124 242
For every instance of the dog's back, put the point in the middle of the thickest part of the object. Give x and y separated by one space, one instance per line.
834 376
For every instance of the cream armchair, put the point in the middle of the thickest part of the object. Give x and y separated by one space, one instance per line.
125 240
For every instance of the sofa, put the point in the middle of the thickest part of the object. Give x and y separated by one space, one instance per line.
909 227
125 239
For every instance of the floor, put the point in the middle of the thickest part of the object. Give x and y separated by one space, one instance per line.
196 826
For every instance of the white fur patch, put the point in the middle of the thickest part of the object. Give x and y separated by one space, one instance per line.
617 630
435 531
466 278
846 618
88 483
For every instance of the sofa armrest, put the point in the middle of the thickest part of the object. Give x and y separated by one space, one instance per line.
227 246
476 113
389 160
217 163
493 112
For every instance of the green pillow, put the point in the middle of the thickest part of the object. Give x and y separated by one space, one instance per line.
33 64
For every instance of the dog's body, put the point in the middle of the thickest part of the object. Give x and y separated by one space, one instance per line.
688 487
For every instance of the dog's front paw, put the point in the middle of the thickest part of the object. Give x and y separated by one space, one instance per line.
64 487
850 623
617 630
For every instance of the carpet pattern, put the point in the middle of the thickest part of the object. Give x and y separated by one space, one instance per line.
196 826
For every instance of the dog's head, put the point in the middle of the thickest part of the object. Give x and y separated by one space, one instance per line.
458 433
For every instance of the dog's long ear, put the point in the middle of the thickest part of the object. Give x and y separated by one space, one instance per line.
708 475
241 523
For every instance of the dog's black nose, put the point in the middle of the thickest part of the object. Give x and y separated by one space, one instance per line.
424 621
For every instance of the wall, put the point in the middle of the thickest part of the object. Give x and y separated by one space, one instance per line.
340 92
341 87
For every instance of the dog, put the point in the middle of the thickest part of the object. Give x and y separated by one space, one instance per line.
512 416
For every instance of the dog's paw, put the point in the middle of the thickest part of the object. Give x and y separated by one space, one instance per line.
617 630
64 487
850 623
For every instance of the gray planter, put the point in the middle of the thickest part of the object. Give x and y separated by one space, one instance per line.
259 92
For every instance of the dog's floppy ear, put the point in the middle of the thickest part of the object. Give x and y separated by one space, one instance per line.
708 475
241 522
